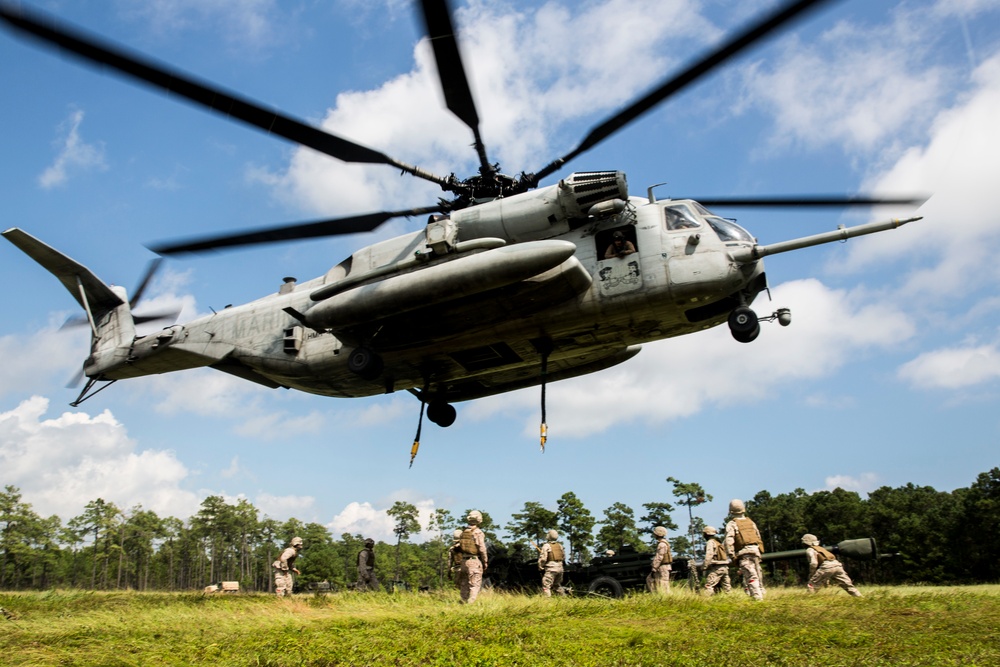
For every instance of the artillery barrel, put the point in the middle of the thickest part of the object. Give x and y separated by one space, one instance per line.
860 549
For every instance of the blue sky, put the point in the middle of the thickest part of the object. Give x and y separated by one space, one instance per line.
889 373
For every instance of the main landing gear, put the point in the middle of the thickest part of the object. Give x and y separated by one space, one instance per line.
745 325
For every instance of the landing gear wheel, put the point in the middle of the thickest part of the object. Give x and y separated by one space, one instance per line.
607 587
442 414
742 320
747 337
365 362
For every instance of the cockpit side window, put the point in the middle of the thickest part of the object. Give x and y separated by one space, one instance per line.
679 217
728 231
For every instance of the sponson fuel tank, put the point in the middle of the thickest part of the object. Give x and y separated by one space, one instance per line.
438 284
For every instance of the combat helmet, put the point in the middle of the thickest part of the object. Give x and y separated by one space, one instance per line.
296 542
709 530
475 516
736 506
660 531
369 543
553 535
810 540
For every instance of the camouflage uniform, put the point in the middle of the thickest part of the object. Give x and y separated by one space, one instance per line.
366 568
658 580
743 543
455 556
824 567
284 566
716 565
472 545
550 562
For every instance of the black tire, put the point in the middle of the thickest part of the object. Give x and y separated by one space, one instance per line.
442 414
606 587
365 362
747 337
743 321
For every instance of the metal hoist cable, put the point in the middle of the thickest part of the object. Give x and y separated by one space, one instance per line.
416 438
544 429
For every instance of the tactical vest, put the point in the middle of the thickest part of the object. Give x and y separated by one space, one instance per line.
668 558
718 554
556 552
370 561
823 554
468 542
746 534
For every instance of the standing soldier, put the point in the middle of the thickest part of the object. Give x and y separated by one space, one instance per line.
716 563
284 566
455 556
824 566
550 562
744 544
658 580
366 567
472 544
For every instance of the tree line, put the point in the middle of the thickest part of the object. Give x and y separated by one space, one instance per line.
932 536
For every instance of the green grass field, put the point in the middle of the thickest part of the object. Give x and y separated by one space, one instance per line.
889 626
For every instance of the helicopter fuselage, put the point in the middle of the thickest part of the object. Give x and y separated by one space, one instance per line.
474 314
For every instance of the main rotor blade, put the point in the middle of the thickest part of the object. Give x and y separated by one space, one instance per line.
54 32
807 201
306 230
733 47
451 72
151 270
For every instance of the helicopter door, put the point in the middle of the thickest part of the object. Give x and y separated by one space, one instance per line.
618 267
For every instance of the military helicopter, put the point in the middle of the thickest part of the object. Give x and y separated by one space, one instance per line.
510 284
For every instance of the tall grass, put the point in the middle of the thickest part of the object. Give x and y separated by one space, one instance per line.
889 626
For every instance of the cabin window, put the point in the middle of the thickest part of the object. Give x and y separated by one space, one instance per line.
618 242
679 217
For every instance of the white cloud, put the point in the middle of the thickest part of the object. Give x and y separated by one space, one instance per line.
33 360
244 23
863 483
365 519
856 86
953 367
61 464
75 155
959 238
530 72
681 376
284 507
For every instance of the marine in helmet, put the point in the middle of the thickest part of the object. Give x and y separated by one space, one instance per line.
551 558
455 555
824 567
472 545
745 546
658 579
620 246
716 565
285 566
366 567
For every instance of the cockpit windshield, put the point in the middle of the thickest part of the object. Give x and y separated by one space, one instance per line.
728 231
679 217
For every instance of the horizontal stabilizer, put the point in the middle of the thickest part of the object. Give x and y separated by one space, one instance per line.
72 275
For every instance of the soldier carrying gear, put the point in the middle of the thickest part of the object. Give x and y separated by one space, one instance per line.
716 563
366 568
744 545
551 557
824 567
285 566
658 580
472 545
455 554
